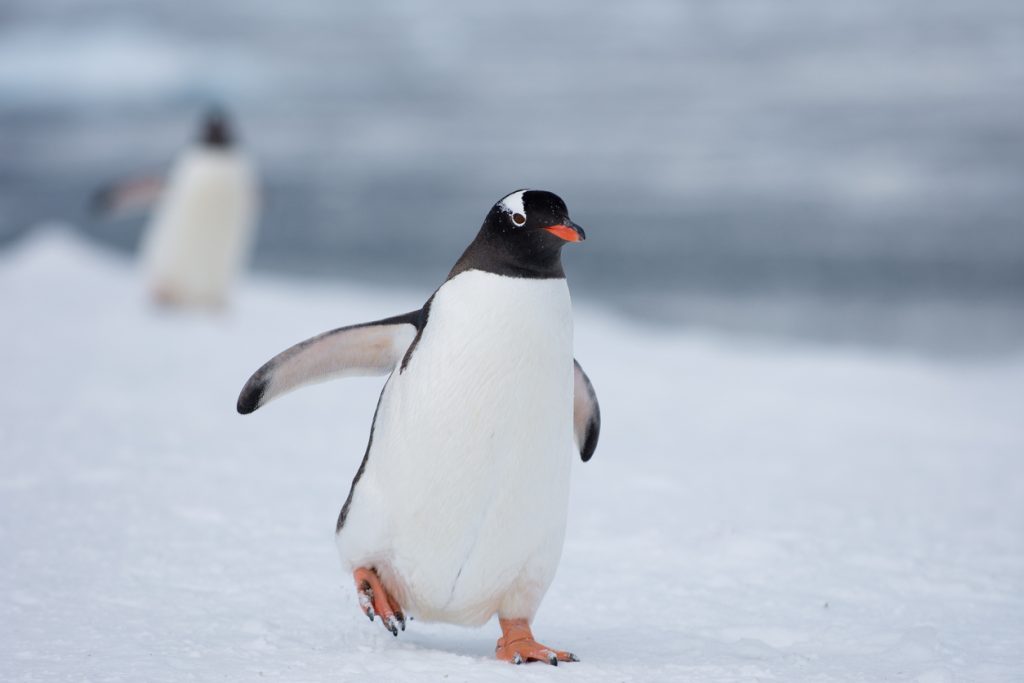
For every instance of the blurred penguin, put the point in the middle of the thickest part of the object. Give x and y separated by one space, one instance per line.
201 230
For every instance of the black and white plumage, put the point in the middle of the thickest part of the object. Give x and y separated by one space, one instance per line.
460 502
201 230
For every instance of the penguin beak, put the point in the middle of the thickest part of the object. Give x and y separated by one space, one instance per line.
568 231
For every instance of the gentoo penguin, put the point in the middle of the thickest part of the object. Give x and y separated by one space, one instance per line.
201 231
458 509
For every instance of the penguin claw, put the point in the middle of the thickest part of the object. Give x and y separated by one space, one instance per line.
517 659
366 600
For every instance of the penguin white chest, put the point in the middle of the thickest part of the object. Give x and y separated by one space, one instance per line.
461 506
201 231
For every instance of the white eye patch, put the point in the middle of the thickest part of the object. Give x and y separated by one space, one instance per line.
513 205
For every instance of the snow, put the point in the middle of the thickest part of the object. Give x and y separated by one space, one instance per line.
753 512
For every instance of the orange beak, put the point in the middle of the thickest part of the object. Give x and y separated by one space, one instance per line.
568 231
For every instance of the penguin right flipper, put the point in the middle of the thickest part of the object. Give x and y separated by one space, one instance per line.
586 413
123 196
358 350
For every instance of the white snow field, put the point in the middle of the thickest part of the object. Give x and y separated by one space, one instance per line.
753 512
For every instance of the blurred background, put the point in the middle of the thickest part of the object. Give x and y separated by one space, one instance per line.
842 172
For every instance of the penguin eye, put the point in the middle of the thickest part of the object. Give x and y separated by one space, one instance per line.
518 218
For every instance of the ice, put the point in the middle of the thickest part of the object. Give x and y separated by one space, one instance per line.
792 513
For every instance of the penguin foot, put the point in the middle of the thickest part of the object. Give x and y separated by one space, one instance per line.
166 297
517 645
375 601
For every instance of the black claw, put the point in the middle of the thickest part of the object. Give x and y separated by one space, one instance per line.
401 619
367 593
573 658
517 659
553 660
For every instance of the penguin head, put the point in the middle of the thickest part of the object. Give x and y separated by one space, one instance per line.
533 218
522 236
215 130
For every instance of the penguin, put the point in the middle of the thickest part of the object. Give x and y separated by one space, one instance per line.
458 510
201 231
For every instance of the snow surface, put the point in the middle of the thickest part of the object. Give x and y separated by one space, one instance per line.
752 512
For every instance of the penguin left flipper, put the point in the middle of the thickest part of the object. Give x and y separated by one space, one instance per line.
586 413
358 350
126 195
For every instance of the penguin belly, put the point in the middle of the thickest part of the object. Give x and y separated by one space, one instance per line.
202 228
461 504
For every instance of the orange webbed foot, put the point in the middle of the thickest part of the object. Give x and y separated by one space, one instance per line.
517 645
374 600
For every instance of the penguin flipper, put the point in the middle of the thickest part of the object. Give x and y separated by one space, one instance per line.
358 350
126 195
586 413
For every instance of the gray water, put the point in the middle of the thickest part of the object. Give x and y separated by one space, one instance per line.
847 172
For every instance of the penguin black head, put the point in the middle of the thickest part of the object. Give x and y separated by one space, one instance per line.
215 130
534 214
522 236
